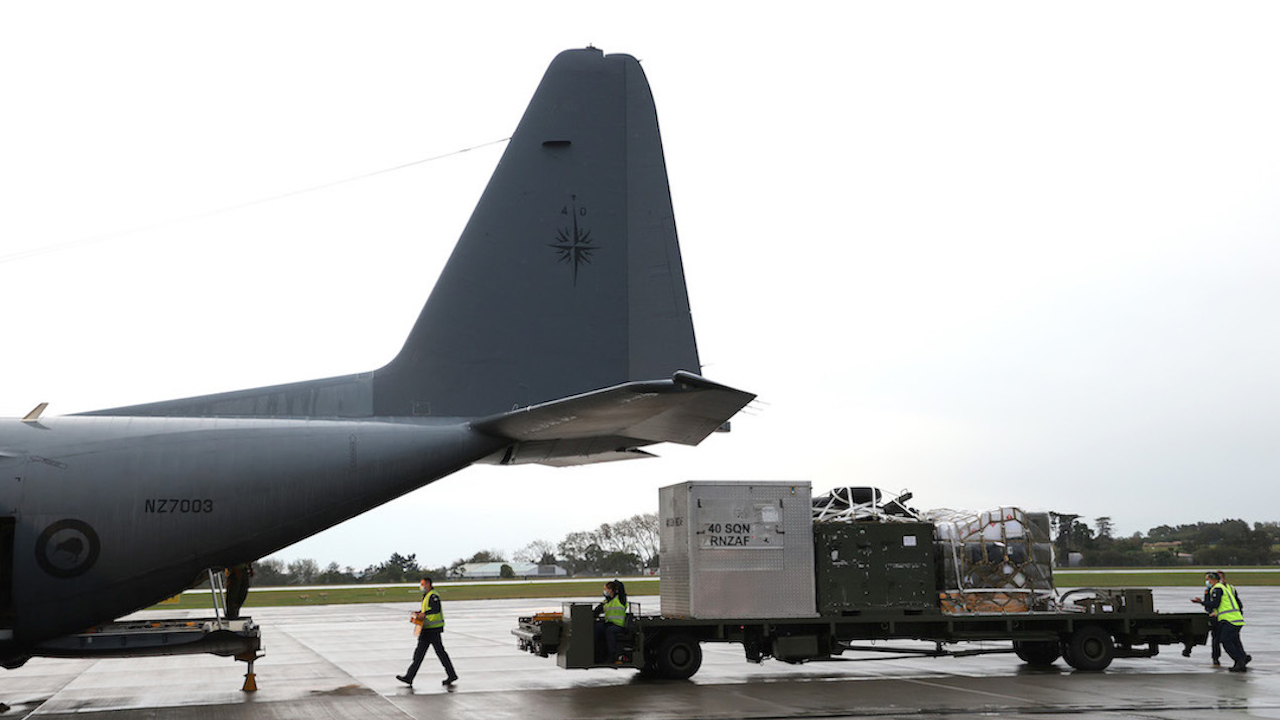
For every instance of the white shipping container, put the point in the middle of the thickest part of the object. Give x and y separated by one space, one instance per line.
737 549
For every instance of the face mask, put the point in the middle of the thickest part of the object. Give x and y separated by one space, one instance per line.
1208 583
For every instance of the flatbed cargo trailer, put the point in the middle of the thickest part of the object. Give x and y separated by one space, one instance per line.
1119 624
794 578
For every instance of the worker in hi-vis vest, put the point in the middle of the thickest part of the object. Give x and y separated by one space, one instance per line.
1225 607
431 620
612 614
1215 627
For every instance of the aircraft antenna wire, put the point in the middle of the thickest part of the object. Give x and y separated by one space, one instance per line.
33 252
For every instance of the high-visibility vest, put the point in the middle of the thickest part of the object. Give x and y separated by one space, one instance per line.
615 612
1229 606
431 620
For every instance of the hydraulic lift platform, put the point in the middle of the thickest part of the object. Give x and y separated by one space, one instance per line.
131 638
240 638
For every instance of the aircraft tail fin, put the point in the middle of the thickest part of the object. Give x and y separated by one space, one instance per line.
567 279
568 276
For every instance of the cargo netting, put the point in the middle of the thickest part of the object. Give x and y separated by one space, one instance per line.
999 560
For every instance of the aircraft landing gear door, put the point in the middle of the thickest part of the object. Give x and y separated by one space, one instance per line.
6 577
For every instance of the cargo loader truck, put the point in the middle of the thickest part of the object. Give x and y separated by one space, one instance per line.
797 578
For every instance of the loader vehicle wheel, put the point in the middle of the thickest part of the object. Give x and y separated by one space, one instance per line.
1089 648
1037 653
678 657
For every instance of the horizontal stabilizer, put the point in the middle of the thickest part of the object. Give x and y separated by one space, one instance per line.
610 424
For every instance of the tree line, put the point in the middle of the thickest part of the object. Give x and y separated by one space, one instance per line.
624 547
1208 544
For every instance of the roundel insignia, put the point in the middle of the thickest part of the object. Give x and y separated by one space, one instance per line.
67 548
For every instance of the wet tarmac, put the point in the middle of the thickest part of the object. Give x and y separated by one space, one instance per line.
340 661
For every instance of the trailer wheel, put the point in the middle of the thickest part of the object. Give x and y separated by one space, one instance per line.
1037 653
678 657
1089 648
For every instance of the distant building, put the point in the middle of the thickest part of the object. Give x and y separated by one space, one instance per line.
493 570
1173 547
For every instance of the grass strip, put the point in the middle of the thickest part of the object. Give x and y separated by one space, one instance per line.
1192 578
1171 577
286 596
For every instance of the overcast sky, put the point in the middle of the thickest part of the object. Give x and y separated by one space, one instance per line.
995 253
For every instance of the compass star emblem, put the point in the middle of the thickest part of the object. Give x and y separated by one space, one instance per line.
574 245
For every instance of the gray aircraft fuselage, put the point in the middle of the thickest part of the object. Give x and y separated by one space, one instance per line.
164 498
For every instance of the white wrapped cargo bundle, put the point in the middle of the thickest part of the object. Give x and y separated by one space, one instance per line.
999 560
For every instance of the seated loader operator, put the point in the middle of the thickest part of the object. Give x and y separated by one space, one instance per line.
613 618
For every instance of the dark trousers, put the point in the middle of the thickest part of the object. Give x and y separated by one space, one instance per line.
430 639
1231 642
1215 632
608 633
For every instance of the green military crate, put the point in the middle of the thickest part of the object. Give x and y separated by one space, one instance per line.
869 565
